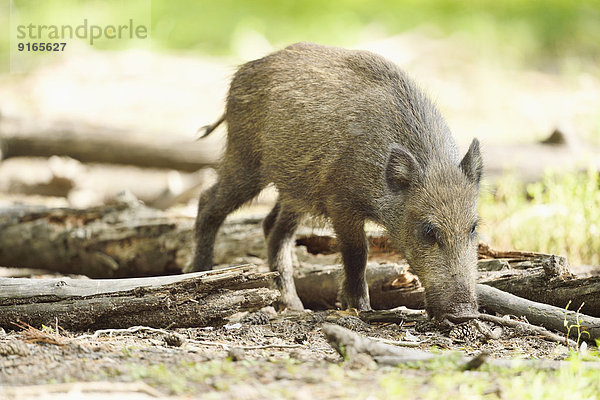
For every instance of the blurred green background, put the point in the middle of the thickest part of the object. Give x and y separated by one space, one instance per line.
536 31
559 215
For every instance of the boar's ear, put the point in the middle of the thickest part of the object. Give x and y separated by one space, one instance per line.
401 168
472 163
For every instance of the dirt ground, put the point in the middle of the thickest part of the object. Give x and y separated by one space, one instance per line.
258 355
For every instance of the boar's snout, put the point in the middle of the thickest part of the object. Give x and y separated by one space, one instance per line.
463 310
455 299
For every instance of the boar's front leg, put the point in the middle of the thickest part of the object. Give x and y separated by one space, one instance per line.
352 243
280 233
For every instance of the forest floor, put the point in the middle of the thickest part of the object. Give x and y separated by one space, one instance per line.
258 355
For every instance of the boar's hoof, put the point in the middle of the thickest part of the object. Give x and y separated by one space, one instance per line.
290 302
361 303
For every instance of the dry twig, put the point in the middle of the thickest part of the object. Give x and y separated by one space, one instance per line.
226 346
34 335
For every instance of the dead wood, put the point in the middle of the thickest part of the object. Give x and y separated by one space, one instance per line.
96 144
485 251
537 313
390 285
199 299
539 277
130 241
543 278
123 240
494 300
542 288
23 290
349 344
395 315
85 185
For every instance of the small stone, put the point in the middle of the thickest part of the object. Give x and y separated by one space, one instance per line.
270 311
236 354
256 318
360 361
14 348
353 323
174 340
301 338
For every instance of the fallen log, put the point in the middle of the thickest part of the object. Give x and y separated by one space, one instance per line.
497 301
191 300
98 144
385 293
537 313
540 287
101 144
122 240
130 240
350 344
392 285
86 185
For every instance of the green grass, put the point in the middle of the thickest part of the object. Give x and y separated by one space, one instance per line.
560 215
444 378
573 382
441 378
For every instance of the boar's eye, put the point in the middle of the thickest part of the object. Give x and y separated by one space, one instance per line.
430 234
474 230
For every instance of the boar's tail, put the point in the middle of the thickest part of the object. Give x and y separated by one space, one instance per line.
207 129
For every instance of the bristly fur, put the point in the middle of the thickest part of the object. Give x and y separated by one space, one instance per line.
347 135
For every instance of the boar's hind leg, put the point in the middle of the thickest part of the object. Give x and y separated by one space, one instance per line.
229 193
352 243
270 219
280 229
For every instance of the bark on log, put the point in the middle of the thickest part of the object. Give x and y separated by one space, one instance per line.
124 240
545 315
390 286
542 278
117 241
103 145
538 286
200 299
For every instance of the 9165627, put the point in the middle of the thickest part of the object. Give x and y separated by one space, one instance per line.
33 46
